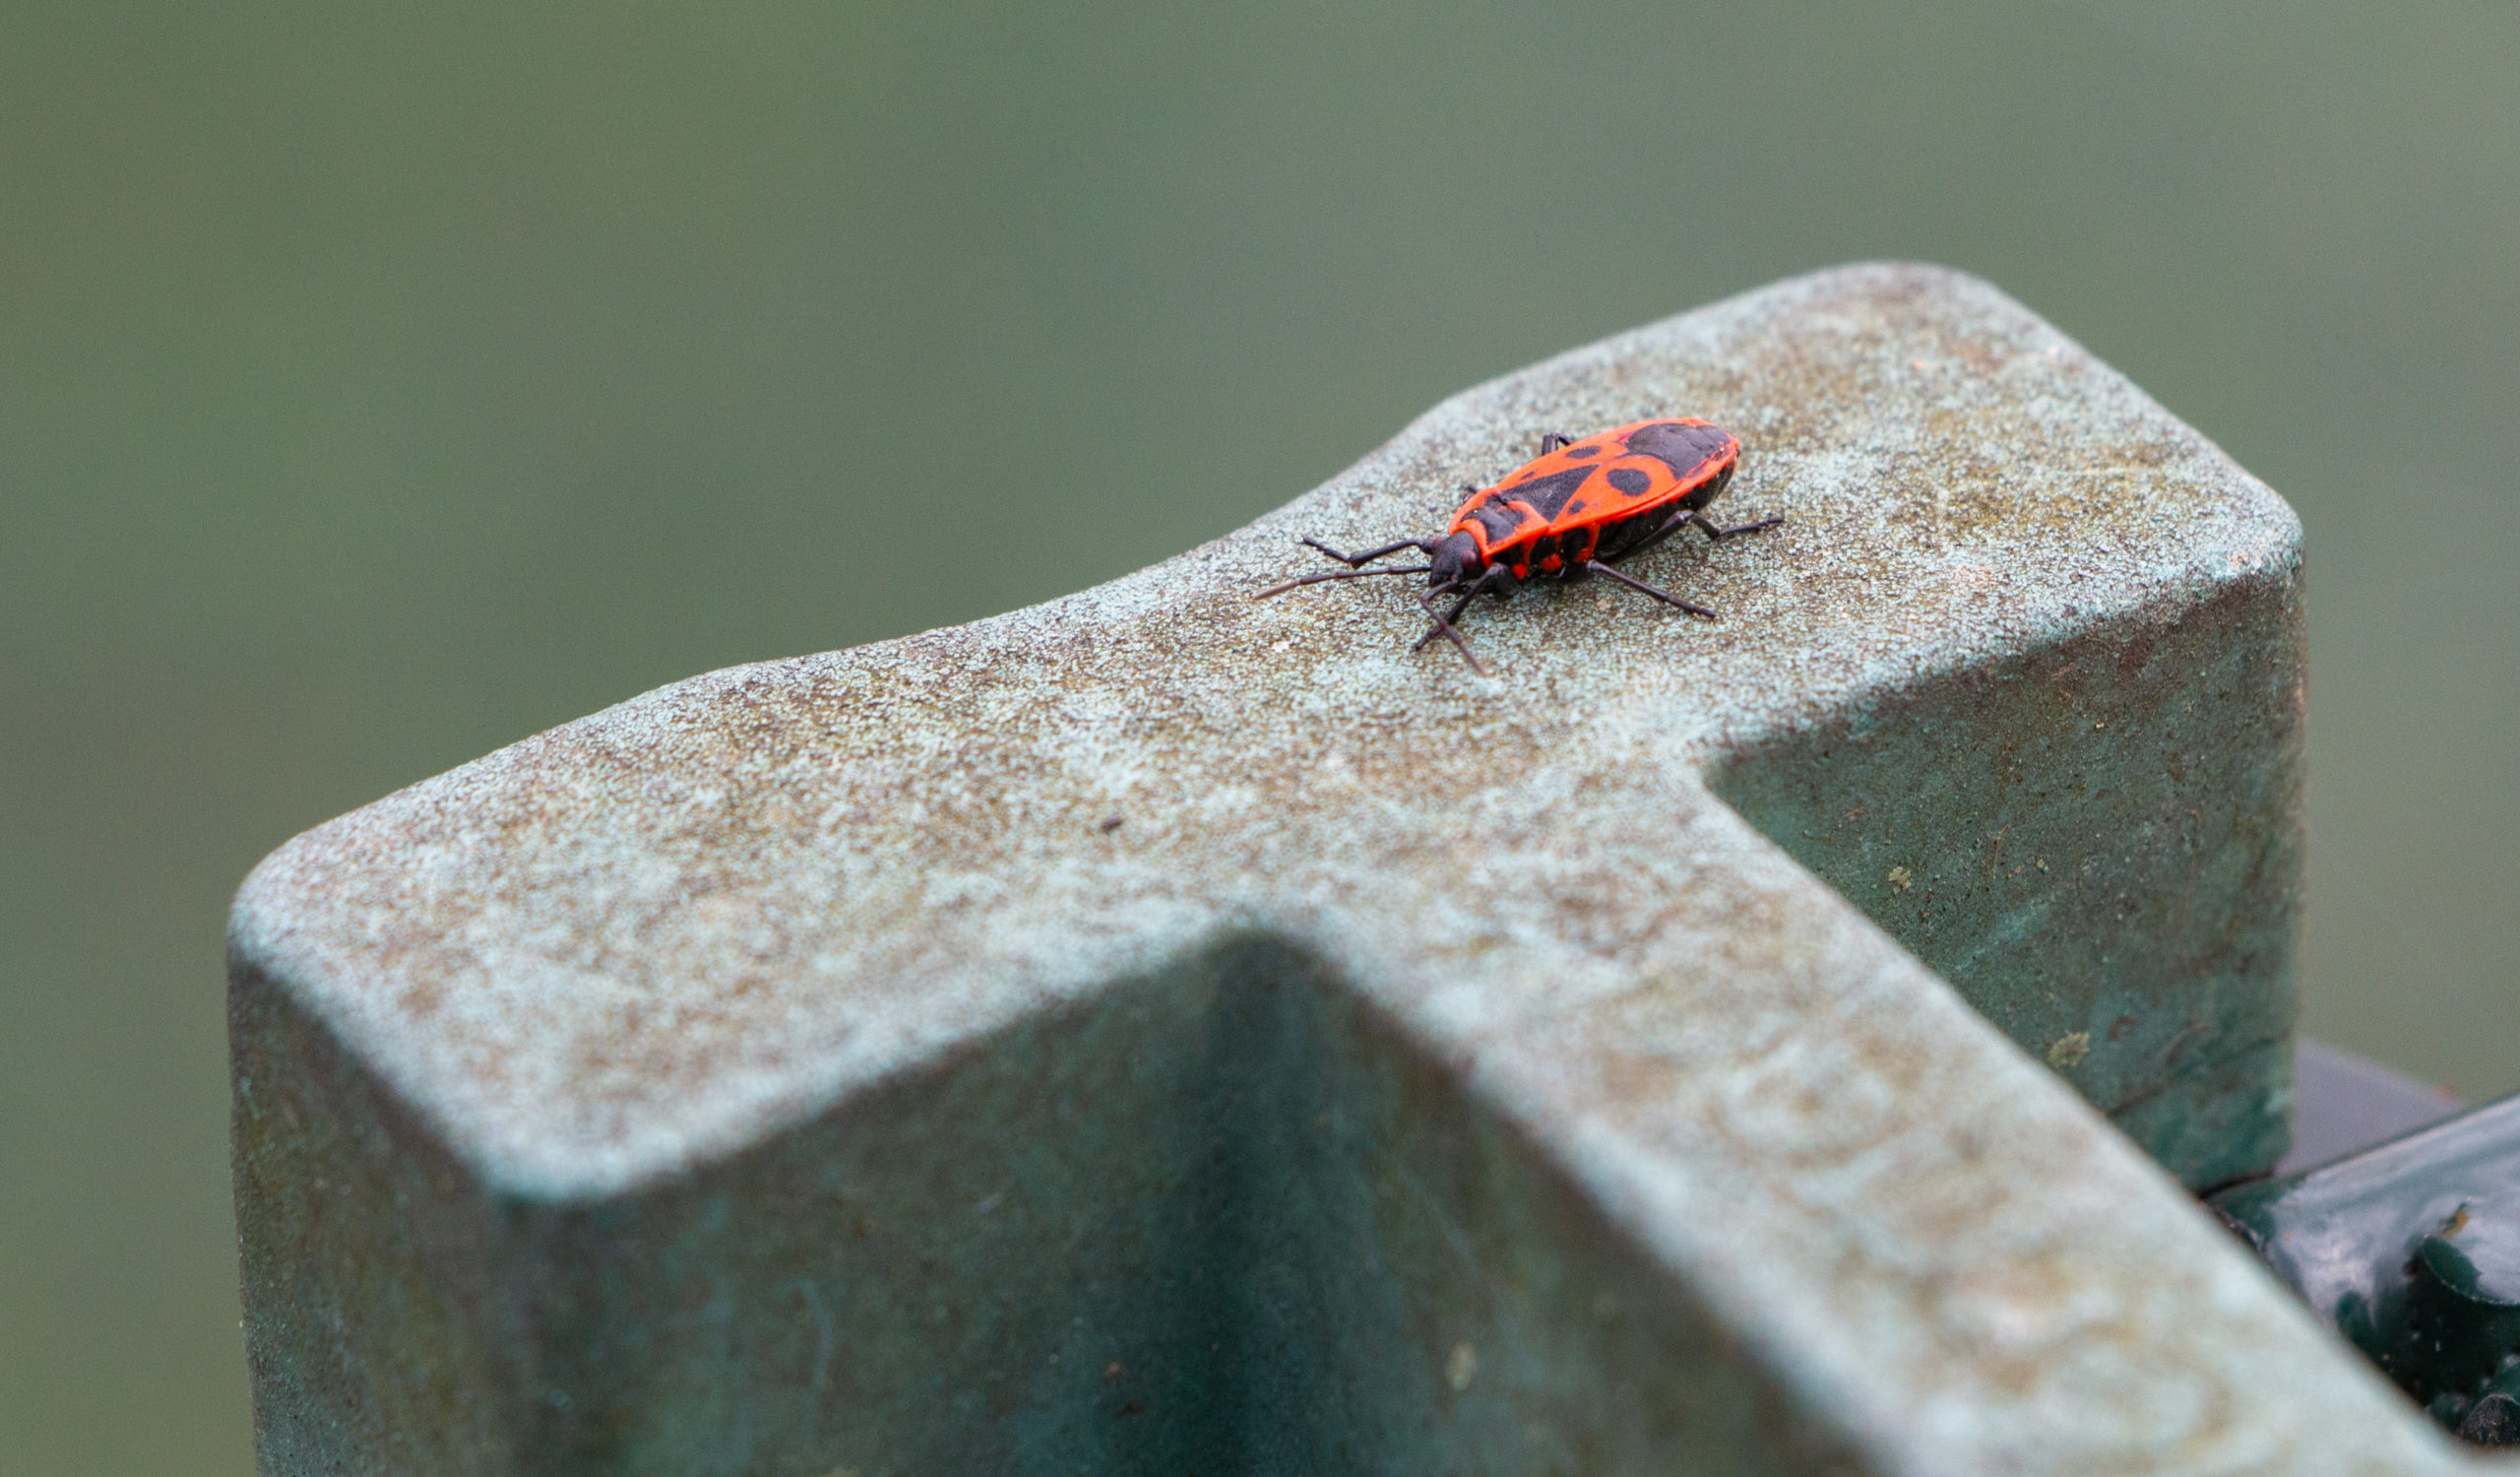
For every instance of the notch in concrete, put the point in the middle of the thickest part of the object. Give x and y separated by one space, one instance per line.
1221 1218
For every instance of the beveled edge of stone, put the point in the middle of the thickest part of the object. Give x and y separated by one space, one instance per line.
392 922
356 916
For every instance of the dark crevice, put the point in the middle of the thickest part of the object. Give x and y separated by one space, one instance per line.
2225 1057
1223 1220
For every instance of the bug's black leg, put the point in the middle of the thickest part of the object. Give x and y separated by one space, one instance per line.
1339 574
1682 520
1719 535
1596 566
1553 440
1498 574
1358 562
1444 627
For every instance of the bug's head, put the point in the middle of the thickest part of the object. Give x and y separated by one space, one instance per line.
1452 561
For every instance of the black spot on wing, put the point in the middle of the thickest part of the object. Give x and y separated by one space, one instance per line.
1580 452
1629 481
1682 448
1548 494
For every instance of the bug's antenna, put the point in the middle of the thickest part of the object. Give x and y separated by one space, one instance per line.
1338 574
1360 560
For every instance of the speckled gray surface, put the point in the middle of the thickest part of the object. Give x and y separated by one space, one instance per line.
795 1069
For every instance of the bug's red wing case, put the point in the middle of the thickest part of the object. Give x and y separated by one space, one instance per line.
1606 479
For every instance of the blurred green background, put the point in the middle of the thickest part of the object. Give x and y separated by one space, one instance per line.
380 385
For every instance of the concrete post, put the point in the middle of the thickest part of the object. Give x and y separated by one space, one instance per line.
1163 1032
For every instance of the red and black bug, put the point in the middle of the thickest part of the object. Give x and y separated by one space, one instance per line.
1576 509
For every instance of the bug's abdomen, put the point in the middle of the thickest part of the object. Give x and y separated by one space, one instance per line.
1626 533
1539 553
1559 555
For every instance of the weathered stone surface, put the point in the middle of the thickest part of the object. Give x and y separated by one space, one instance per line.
795 1069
